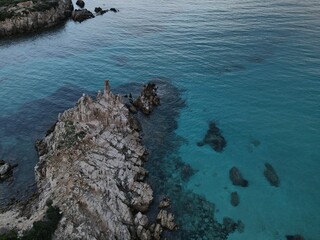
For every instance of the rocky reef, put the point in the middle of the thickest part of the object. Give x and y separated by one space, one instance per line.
271 175
91 168
31 16
214 138
236 177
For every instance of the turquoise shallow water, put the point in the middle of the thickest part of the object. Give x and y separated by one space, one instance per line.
251 66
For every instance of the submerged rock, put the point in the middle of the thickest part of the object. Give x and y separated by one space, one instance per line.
235 200
100 11
80 3
186 172
81 15
214 138
271 175
236 177
294 237
114 10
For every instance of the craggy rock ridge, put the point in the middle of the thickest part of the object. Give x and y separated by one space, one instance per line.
31 16
91 167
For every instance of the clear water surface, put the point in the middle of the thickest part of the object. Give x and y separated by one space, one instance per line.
252 66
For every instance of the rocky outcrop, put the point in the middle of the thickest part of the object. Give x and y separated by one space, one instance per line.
32 16
79 15
6 170
91 168
80 3
148 99
271 175
236 177
214 138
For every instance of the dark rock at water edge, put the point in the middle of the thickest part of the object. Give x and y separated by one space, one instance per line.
294 237
81 15
214 138
6 170
114 10
80 3
236 177
235 199
100 11
271 175
148 99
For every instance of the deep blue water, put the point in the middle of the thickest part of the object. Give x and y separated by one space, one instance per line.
252 66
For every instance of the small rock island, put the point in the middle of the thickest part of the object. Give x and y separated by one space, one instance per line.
90 172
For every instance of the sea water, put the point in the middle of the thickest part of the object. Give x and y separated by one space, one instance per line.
251 66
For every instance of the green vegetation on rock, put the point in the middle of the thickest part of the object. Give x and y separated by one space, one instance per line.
42 229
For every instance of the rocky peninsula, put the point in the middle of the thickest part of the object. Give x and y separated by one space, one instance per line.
91 169
30 16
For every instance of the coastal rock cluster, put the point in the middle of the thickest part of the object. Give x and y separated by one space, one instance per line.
91 167
30 16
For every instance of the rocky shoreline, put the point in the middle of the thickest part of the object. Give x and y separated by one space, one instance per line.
91 169
31 16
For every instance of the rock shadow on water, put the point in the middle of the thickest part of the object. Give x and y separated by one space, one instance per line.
168 173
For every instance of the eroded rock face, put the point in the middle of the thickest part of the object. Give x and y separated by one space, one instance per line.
271 175
91 167
236 177
214 138
27 17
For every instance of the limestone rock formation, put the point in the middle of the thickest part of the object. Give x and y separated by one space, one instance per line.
236 177
29 16
214 138
271 175
91 167
166 220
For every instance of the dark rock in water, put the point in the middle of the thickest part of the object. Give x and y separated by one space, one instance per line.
114 10
271 175
80 3
51 129
235 200
214 138
6 170
240 226
236 177
229 224
186 172
255 142
81 15
148 99
294 237
100 11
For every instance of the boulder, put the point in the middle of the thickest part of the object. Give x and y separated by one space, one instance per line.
148 99
80 3
235 200
214 138
166 220
165 202
141 219
271 175
236 177
100 11
81 15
